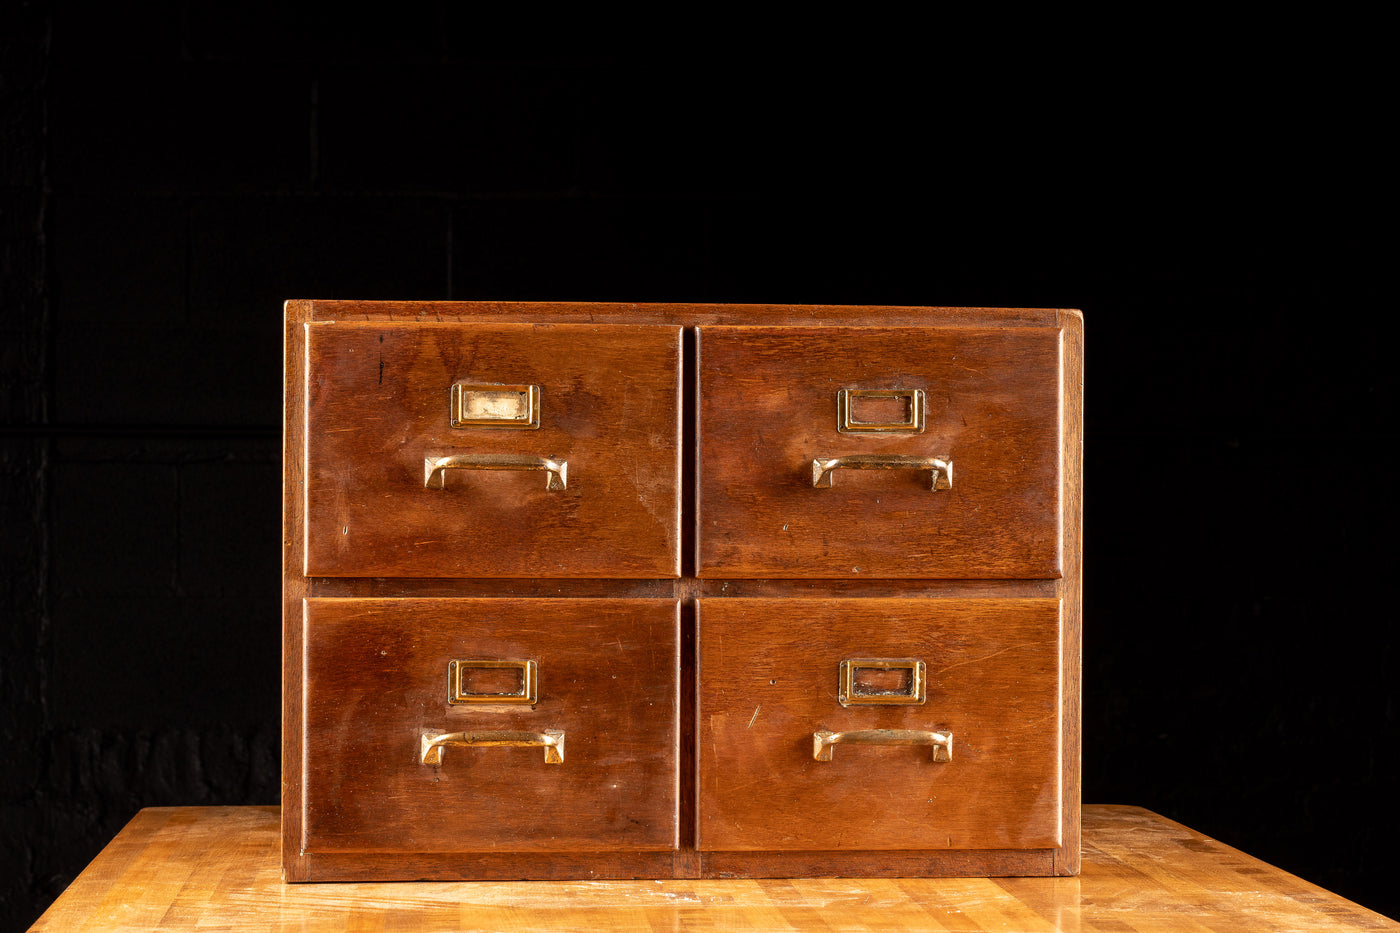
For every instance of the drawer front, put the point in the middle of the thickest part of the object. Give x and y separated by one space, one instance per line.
771 679
393 764
492 450
879 452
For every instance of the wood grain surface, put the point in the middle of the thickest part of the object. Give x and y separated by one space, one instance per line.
377 679
1071 582
768 679
294 581
215 869
378 405
687 315
767 399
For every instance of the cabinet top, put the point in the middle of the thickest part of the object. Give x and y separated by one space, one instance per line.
684 314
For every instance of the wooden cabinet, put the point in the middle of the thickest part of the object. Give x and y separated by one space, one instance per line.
591 591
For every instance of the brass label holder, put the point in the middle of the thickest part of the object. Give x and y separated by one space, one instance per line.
847 423
851 694
459 694
495 406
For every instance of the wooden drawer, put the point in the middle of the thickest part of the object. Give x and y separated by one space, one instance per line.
976 410
573 471
770 679
379 685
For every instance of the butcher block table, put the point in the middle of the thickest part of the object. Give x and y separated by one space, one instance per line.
216 868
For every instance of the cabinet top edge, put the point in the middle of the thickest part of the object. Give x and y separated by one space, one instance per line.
677 313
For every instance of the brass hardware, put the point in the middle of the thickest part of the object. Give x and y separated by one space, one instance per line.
941 470
528 695
850 695
847 423
435 468
552 740
493 406
942 742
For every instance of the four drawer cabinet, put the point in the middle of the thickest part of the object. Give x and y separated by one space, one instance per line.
584 591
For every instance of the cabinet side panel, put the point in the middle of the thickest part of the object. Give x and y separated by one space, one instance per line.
293 583
1072 542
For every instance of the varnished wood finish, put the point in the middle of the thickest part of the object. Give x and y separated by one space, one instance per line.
215 869
885 863
687 315
875 589
1034 393
544 587
376 679
768 680
1071 585
768 408
294 582
378 404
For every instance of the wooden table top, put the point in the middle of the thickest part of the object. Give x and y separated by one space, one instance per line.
216 868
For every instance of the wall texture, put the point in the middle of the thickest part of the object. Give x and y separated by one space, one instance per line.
172 171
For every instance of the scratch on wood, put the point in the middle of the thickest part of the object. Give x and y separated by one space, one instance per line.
984 657
755 715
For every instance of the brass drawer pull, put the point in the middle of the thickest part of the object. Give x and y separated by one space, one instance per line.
551 739
942 742
941 470
435 468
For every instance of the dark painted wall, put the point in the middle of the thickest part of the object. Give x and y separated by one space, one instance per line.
170 173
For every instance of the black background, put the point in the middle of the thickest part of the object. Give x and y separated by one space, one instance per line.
1209 194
